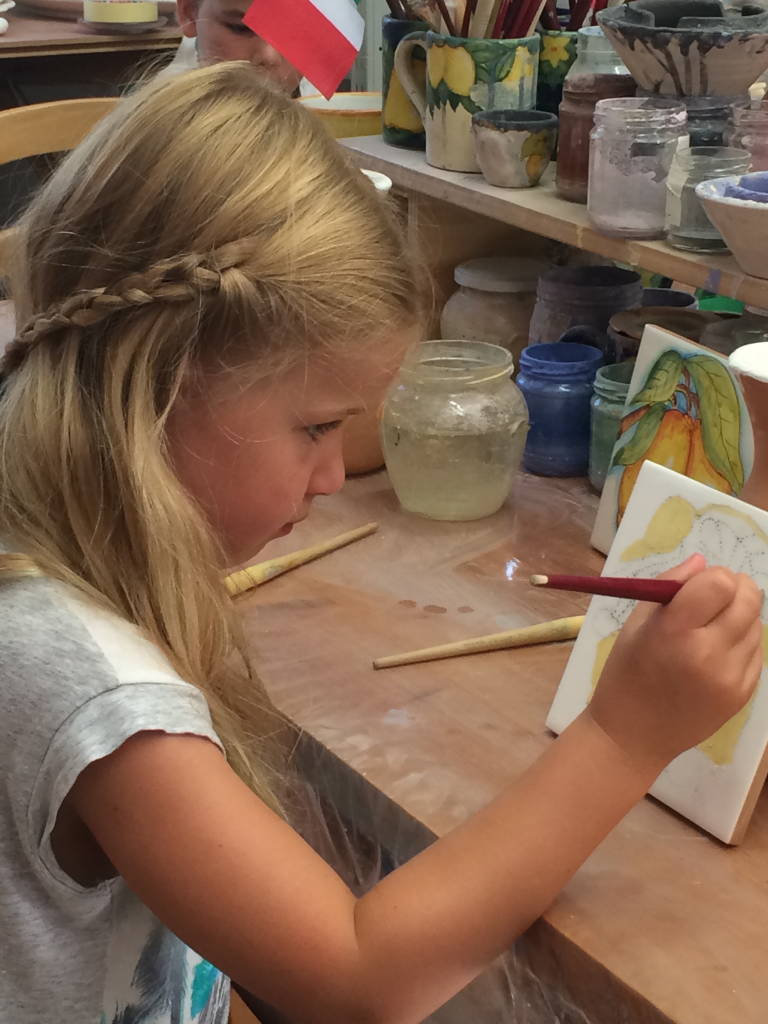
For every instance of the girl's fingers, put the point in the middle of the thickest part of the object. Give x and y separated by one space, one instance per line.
703 598
685 571
736 620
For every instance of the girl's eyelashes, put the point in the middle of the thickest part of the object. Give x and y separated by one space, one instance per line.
316 430
238 28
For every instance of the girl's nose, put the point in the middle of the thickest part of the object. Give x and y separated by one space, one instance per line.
328 477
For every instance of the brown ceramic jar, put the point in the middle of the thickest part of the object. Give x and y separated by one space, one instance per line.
598 74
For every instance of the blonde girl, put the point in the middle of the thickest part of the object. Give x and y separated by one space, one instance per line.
201 290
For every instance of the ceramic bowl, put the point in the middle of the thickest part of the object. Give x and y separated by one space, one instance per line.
347 114
689 47
743 223
514 147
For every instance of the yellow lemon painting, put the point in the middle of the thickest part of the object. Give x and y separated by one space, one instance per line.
668 518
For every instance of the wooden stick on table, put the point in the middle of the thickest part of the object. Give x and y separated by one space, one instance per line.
542 633
254 575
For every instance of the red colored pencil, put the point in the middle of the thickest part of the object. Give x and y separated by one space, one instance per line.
501 17
658 591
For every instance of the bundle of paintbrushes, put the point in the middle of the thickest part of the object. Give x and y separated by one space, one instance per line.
495 19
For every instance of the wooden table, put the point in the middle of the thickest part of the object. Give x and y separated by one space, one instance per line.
49 58
663 923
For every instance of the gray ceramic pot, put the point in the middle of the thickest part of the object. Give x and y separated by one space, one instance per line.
514 147
689 47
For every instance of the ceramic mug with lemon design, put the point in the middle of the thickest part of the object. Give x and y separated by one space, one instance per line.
400 121
465 76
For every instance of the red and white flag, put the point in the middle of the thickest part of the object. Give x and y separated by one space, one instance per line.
321 38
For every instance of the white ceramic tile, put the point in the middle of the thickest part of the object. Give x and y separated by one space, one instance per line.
717 796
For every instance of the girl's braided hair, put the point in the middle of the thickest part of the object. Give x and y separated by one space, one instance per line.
208 230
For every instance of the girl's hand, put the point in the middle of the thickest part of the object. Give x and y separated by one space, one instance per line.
679 672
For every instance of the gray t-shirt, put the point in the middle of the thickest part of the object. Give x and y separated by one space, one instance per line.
75 684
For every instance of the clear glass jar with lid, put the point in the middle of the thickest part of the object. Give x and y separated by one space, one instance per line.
688 226
632 147
748 129
453 430
494 301
596 74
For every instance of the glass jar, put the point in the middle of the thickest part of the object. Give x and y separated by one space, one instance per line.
556 380
494 302
688 226
597 74
453 429
748 129
632 146
608 400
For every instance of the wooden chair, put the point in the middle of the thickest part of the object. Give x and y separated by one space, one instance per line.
43 128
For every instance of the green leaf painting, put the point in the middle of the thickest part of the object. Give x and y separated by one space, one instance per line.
662 381
720 414
641 439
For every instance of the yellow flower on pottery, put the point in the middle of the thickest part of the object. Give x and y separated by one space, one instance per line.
554 49
523 66
459 71
436 64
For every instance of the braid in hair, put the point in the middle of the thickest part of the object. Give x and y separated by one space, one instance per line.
177 279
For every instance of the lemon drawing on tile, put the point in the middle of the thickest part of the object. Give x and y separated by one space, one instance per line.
676 523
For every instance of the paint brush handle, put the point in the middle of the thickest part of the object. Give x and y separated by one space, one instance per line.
657 591
541 633
254 575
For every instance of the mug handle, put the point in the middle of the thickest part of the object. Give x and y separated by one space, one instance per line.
404 70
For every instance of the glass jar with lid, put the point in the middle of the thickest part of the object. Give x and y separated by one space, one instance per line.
597 73
688 226
748 129
453 429
632 147
494 301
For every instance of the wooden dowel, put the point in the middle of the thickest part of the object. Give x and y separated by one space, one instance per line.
254 575
469 10
501 17
450 27
542 633
530 28
483 18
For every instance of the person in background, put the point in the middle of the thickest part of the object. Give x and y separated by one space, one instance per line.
214 31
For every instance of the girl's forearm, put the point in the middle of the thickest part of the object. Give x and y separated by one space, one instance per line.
433 925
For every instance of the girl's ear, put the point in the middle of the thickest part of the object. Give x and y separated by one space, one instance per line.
187 12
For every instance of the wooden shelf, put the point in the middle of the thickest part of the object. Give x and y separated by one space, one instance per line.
30 36
542 212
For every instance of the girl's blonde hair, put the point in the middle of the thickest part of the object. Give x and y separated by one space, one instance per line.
208 223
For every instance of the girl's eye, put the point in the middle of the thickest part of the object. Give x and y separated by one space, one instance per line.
317 430
239 29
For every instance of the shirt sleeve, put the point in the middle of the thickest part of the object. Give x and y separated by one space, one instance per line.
99 728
